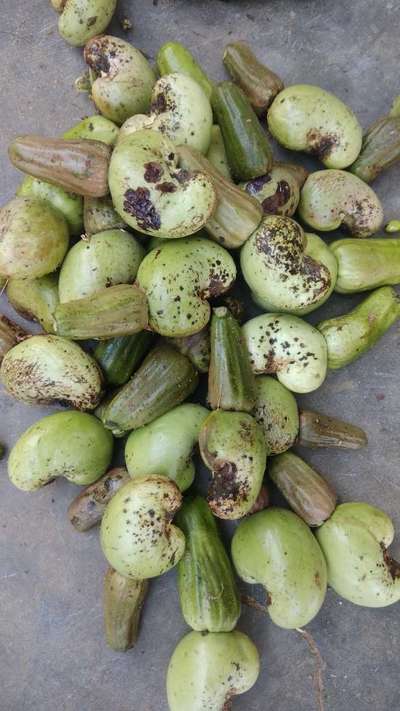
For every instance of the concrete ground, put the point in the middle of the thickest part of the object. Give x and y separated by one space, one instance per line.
52 652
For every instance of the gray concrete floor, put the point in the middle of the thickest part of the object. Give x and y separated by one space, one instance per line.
52 653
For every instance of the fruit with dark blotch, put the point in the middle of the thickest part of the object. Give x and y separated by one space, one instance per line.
230 666
120 310
288 347
317 430
335 198
82 19
233 448
87 509
306 492
123 600
196 347
360 569
216 153
137 535
380 149
165 446
259 83
119 357
99 215
307 118
45 369
164 380
286 269
277 413
103 260
208 593
279 190
67 203
175 57
33 238
80 166
364 266
35 299
231 383
123 78
70 444
179 109
236 215
354 333
276 549
152 194
178 278
246 144
10 334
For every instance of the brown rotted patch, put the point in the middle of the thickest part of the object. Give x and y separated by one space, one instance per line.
224 484
96 56
254 186
138 204
316 276
153 172
159 104
182 176
281 196
392 565
91 21
166 187
321 144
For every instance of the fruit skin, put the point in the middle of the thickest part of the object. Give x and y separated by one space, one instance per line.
120 310
71 444
164 447
162 382
276 549
68 204
105 259
10 334
380 149
317 430
231 383
335 198
179 109
236 214
279 190
306 492
196 347
286 269
82 19
354 541
80 166
174 57
229 663
307 118
297 355
123 80
277 413
364 266
99 215
123 599
137 535
246 144
354 333
45 369
232 446
208 592
119 357
216 153
87 509
94 128
35 299
178 277
33 238
151 194
259 83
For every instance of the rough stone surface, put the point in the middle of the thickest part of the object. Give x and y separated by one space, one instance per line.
52 653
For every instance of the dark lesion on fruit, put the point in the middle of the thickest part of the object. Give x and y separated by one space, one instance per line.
224 484
254 186
159 104
280 197
153 171
321 144
392 565
96 56
166 187
138 204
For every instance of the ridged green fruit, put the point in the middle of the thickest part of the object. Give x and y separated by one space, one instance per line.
123 599
119 357
364 266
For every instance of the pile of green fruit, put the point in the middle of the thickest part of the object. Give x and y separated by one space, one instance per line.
171 175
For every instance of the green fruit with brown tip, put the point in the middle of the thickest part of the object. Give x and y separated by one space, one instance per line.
164 380
354 333
45 369
380 149
123 599
33 238
259 83
69 444
232 447
35 299
317 430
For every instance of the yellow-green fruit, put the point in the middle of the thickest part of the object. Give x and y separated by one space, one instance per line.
82 19
277 413
35 299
